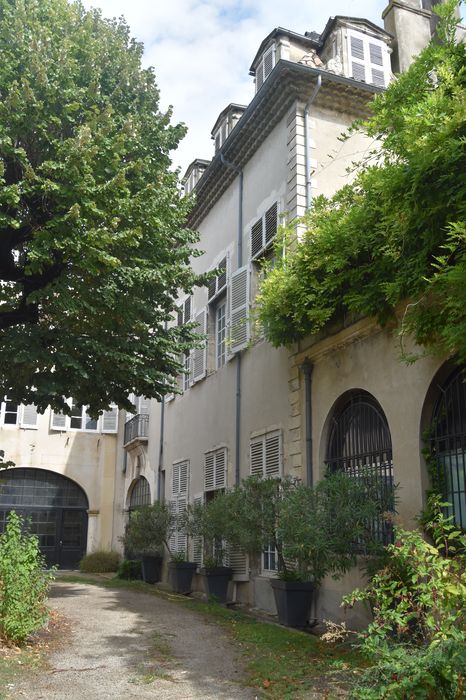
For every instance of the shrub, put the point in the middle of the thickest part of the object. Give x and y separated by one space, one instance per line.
149 529
99 562
417 638
23 582
129 569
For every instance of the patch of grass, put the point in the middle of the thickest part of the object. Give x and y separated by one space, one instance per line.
14 665
287 664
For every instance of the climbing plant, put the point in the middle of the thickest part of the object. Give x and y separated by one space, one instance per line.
392 244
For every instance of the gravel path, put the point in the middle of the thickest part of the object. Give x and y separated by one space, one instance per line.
122 645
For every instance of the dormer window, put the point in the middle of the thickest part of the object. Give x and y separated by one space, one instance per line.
265 67
368 59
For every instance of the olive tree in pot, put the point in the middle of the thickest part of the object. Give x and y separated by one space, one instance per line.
210 521
146 534
322 531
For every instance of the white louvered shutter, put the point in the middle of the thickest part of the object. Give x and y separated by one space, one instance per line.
184 477
376 65
198 542
269 61
239 562
220 468
173 538
260 75
199 355
181 537
143 405
257 457
28 416
239 310
358 64
209 471
273 454
110 420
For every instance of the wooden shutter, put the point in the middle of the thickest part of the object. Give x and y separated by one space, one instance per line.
239 310
271 223
257 238
220 468
273 454
257 457
260 75
238 561
187 310
209 471
198 542
28 416
110 420
180 476
269 61
358 65
199 355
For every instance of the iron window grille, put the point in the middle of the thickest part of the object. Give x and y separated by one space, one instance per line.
448 445
360 445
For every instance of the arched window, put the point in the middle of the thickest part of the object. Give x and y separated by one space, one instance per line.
448 445
140 494
360 444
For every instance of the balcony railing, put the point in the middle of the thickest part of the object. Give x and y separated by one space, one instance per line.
137 428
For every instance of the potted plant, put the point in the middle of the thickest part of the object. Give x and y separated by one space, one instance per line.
209 521
146 534
322 530
181 572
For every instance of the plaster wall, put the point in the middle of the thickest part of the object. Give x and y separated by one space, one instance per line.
86 458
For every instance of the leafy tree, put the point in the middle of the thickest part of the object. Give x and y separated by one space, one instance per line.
93 249
393 243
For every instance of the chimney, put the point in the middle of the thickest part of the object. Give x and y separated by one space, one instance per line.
412 23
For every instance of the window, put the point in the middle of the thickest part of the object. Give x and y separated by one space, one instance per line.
187 370
215 465
266 455
269 559
220 334
448 445
367 59
184 312
14 414
80 420
140 494
360 444
265 67
264 231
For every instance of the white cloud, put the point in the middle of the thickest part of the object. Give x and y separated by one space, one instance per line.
202 50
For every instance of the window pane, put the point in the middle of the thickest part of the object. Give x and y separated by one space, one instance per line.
11 413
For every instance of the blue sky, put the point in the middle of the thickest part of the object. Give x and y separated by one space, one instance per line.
202 50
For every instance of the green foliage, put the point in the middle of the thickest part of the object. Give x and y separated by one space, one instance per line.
417 637
99 562
129 569
93 244
397 232
210 521
23 582
316 531
149 529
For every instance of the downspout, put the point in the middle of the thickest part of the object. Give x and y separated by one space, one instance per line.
161 440
307 146
307 368
307 365
239 247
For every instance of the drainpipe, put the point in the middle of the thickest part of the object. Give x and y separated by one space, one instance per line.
307 368
239 247
162 435
307 147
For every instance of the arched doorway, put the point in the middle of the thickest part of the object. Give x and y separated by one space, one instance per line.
448 445
360 444
56 508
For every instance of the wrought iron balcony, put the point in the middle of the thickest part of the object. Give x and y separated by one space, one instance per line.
137 429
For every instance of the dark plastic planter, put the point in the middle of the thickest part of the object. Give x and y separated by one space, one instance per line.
151 568
217 581
180 576
293 600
